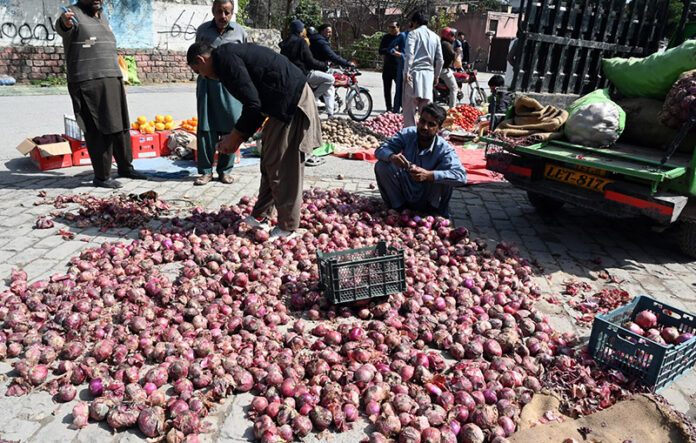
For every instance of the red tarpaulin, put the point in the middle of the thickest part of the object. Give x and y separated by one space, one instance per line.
473 160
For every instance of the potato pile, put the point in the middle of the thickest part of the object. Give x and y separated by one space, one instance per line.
345 132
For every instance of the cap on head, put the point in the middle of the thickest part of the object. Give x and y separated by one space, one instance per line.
296 26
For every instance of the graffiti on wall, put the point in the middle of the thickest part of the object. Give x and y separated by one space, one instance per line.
27 22
137 24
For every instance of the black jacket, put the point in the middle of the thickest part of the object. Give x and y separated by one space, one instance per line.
266 83
447 53
295 48
322 51
391 63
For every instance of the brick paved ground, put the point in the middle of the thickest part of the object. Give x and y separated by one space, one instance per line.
567 245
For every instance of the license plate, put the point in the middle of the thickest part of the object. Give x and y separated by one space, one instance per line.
576 178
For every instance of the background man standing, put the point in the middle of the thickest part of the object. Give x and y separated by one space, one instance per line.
390 66
464 47
96 88
422 67
447 73
218 110
296 49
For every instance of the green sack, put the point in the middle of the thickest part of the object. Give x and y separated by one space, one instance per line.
652 76
325 149
594 120
132 70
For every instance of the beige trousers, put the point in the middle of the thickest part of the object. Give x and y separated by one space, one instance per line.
282 162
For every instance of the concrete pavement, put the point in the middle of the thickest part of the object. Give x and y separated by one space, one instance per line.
572 244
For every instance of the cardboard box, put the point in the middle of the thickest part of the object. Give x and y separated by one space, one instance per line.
144 145
49 156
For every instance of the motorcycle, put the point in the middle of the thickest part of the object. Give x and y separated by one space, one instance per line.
468 76
358 101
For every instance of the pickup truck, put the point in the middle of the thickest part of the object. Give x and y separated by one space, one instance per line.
624 180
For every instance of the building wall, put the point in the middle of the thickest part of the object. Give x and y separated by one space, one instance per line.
156 32
476 25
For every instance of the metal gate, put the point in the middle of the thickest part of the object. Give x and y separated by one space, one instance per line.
564 41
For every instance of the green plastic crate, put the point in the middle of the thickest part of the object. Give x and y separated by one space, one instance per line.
654 364
361 274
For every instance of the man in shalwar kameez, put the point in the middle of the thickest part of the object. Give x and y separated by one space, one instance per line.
217 109
418 169
422 67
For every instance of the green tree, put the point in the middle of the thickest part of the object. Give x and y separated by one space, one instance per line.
242 13
487 5
308 12
676 7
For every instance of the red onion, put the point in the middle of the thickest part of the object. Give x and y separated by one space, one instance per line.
388 425
431 435
96 387
66 393
670 334
301 425
321 418
151 421
684 337
259 404
646 319
37 374
80 415
372 408
471 433
188 423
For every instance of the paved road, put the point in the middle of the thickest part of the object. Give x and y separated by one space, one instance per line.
572 244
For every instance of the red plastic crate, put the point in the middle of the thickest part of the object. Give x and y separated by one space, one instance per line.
80 154
145 145
52 162
163 139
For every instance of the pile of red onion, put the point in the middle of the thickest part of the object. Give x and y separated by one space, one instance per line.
132 211
386 124
453 358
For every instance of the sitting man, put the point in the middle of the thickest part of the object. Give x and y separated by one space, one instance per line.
417 168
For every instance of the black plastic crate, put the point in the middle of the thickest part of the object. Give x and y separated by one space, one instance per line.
361 274
636 356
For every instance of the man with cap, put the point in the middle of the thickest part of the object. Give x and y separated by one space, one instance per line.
218 110
296 49
447 73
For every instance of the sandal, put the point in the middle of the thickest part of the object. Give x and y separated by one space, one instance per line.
313 160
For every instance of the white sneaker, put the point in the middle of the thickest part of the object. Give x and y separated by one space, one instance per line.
277 233
251 221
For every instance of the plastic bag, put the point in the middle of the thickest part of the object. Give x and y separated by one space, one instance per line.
132 71
652 76
595 120
124 68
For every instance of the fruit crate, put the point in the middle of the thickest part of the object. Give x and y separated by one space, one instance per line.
144 145
655 364
72 129
361 274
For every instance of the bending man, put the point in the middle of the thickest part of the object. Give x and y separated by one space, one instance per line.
417 168
268 85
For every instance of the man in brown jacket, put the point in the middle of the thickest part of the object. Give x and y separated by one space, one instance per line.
96 87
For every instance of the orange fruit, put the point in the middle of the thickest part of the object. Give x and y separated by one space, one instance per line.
159 119
169 125
149 129
142 119
168 119
135 126
159 126
151 123
195 119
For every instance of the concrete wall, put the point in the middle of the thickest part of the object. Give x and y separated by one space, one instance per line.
156 32
137 24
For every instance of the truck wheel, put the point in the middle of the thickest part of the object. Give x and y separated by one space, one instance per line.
543 203
687 238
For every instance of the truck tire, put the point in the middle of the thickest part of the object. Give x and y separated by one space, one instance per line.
687 238
543 203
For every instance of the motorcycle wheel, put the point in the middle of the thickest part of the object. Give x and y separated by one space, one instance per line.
360 107
477 97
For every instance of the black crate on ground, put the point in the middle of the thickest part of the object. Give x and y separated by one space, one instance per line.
655 364
361 274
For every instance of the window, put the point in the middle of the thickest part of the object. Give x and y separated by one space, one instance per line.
493 26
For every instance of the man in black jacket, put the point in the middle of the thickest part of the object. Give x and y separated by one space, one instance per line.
295 48
391 63
447 73
319 44
268 85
